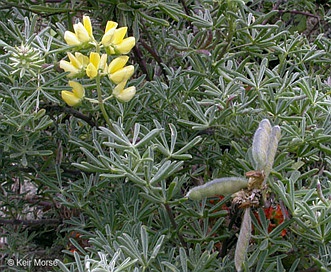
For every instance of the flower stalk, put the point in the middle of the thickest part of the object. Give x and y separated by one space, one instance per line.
101 102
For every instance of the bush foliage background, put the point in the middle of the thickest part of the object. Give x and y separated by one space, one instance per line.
206 73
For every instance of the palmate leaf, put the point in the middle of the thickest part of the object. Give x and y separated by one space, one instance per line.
141 250
166 170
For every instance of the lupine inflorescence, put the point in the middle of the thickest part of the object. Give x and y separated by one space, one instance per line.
95 65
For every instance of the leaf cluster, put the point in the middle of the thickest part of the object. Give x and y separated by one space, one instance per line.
208 72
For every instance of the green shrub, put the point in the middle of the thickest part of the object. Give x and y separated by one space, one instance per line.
101 186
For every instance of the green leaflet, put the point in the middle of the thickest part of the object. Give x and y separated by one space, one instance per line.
221 186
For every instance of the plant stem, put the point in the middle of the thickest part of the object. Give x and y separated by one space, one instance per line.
229 37
99 92
174 225
30 222
101 104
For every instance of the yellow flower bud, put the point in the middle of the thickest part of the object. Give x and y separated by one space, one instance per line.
122 74
95 59
92 67
77 60
110 25
96 63
127 94
119 87
70 98
74 97
107 37
83 60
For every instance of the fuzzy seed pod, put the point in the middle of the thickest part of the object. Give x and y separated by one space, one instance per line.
272 149
260 144
221 186
243 240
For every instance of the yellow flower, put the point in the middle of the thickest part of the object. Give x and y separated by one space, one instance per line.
92 67
96 63
88 26
117 64
117 72
71 38
119 35
122 74
109 32
75 97
83 33
124 95
103 67
125 46
76 66
110 25
114 41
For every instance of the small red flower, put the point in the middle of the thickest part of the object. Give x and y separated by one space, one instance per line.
276 217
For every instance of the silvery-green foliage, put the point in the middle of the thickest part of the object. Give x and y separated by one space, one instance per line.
206 75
